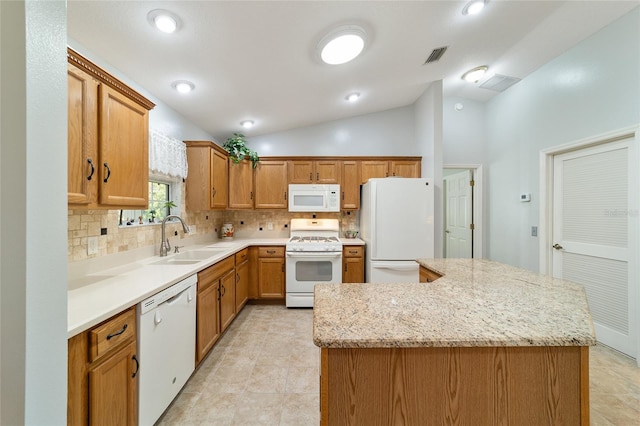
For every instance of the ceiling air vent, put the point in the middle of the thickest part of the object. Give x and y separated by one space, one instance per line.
436 54
499 83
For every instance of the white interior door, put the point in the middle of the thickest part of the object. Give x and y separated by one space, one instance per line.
458 232
591 235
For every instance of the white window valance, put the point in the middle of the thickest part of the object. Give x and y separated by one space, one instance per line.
167 155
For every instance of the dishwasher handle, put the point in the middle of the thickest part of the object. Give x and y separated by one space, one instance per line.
173 299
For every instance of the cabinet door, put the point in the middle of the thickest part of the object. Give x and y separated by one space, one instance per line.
271 185
373 169
300 171
207 320
242 285
124 147
219 180
82 137
227 299
240 185
350 186
352 270
408 169
271 278
327 171
113 389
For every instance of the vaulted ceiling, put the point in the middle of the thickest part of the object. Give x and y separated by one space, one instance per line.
257 60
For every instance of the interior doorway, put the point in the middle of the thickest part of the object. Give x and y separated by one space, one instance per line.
462 201
591 230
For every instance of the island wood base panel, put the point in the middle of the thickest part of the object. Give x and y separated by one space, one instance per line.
455 386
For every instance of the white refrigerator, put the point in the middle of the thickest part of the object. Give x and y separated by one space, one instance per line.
396 223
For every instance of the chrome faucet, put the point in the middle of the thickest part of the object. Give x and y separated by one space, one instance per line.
165 247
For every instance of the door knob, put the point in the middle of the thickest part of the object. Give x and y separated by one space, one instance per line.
557 246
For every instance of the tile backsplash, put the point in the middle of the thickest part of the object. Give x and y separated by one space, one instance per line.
83 224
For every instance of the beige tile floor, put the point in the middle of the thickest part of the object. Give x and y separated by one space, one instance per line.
264 371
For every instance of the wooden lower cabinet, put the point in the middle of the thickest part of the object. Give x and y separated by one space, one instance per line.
103 373
427 275
455 385
353 264
216 304
227 299
271 273
242 279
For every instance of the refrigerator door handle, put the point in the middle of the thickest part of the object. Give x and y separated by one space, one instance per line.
395 267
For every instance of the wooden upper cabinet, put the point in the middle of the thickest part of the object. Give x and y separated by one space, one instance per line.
219 179
405 168
350 187
82 137
240 185
373 169
310 171
408 167
124 150
108 139
206 184
271 185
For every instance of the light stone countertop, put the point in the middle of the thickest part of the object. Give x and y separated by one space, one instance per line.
475 303
97 296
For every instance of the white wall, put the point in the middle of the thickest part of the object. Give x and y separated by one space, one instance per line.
390 132
464 133
591 89
428 119
162 117
33 271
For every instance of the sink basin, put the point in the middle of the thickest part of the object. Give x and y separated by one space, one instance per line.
174 261
196 254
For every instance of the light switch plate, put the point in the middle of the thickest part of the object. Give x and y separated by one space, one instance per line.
92 245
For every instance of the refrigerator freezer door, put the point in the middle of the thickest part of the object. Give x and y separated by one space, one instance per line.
397 218
392 272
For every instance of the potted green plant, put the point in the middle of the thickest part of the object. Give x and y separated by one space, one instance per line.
236 146
169 205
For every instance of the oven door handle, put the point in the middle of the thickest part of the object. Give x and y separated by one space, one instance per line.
307 254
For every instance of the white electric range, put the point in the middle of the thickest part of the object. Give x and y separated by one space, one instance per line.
314 255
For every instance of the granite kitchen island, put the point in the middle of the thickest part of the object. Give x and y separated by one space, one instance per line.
485 344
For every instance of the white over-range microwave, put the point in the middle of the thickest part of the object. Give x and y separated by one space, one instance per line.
314 198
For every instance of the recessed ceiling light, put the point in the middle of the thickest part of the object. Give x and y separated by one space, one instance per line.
247 124
474 75
352 97
163 20
342 44
183 86
473 7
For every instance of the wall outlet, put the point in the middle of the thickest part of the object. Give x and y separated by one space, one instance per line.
270 226
92 246
534 231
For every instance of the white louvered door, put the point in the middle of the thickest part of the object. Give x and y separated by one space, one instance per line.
591 235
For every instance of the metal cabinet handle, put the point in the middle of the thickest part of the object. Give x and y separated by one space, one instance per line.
251 195
219 295
135 359
106 165
213 192
310 177
117 333
285 196
318 176
93 169
557 246
271 251
224 291
342 195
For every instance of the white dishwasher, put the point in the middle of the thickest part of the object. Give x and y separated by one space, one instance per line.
166 347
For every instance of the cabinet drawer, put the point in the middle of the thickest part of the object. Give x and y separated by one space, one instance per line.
353 251
109 335
212 273
271 251
242 256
